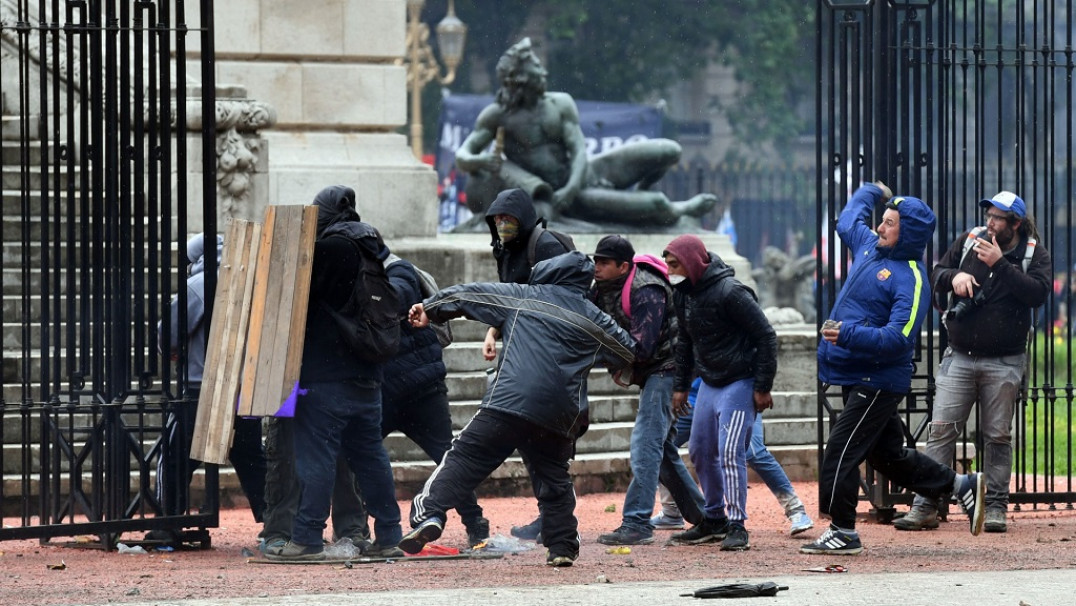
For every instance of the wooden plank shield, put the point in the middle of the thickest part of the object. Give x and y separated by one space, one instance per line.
274 347
227 339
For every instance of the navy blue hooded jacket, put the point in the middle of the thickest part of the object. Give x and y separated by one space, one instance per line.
552 337
884 299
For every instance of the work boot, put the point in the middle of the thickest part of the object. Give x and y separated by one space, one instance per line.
919 517
995 520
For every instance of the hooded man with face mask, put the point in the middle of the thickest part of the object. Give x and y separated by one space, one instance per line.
727 340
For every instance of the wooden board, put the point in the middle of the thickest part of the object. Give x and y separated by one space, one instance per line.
227 338
277 324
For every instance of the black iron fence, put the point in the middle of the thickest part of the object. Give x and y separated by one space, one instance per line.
954 101
94 167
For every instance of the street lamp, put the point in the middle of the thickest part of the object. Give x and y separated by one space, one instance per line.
422 66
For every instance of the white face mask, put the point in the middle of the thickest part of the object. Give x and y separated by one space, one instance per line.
675 279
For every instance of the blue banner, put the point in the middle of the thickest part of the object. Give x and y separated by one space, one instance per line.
605 126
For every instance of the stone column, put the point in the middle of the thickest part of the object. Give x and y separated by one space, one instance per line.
242 156
327 67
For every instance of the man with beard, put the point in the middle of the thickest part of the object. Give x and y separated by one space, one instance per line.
993 278
545 155
867 348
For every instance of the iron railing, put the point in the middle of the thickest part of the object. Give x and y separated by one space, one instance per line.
95 153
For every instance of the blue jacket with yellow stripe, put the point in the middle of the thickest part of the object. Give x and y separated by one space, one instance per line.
884 300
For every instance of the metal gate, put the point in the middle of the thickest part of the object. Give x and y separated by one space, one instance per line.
952 101
95 163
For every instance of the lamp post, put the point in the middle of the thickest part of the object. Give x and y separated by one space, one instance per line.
422 66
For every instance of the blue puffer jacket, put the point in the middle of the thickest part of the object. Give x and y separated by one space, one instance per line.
884 299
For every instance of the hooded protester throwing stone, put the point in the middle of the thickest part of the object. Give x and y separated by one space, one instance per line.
512 220
553 336
339 406
867 347
727 340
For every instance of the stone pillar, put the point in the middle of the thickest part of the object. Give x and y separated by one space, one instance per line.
242 156
327 67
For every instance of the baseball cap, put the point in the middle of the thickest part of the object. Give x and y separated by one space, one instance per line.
1007 201
614 247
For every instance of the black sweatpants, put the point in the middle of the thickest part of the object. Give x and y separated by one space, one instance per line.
870 429
487 440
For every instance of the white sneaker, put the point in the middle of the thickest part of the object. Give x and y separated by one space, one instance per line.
666 522
801 522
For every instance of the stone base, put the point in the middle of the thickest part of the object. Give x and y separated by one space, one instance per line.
394 192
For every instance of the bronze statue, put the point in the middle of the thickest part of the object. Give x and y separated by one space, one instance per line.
544 153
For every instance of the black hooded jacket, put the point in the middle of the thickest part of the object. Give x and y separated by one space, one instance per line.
336 263
724 335
512 262
552 337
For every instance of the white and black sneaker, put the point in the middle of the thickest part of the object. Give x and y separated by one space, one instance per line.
970 491
834 542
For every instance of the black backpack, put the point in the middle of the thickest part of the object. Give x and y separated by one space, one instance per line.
370 320
532 241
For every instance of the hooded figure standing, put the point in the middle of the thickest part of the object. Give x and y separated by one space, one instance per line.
339 406
727 340
174 468
867 347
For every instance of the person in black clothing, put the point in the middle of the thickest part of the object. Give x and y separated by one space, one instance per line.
341 407
727 340
414 398
512 220
553 336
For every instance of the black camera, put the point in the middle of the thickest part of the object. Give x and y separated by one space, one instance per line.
965 306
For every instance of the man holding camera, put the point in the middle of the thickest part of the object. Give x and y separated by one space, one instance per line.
988 283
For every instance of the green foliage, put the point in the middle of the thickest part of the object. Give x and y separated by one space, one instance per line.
1048 424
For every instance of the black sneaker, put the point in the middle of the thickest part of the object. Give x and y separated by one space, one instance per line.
560 560
736 540
429 530
477 531
298 553
707 531
834 542
970 492
995 521
626 536
528 532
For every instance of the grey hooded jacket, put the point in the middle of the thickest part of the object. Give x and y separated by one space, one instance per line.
552 337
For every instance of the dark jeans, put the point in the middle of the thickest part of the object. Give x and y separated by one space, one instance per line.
870 429
487 440
282 489
334 418
175 468
677 479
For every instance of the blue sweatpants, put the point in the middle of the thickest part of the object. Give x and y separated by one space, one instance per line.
720 433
